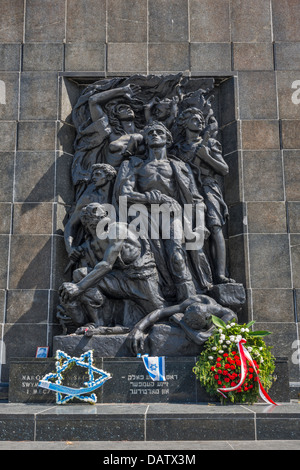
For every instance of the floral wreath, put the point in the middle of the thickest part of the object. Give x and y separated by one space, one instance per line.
226 365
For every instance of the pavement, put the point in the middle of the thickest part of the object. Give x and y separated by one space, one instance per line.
143 449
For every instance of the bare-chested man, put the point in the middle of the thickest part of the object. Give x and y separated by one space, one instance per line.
114 265
163 180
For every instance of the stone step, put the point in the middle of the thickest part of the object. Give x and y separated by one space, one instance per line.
149 422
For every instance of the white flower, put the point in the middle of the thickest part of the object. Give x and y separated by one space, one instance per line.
222 337
228 342
221 341
242 330
228 327
210 358
261 348
232 324
231 338
249 349
220 330
247 329
214 348
220 351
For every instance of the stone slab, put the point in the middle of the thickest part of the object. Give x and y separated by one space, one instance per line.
154 422
130 382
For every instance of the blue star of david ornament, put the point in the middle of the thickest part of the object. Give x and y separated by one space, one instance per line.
53 381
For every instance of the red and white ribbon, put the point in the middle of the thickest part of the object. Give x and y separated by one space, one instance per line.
244 356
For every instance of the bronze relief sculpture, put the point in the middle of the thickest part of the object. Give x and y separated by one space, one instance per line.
145 234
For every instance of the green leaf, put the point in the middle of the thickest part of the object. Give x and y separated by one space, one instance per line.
259 333
250 323
218 322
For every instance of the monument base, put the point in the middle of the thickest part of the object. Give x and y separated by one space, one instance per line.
130 382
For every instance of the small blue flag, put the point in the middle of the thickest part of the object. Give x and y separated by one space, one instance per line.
155 367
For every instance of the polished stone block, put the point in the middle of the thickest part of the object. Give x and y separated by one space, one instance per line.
127 57
45 22
260 134
34 176
295 254
9 57
287 56
130 381
6 176
39 93
35 218
9 108
257 92
85 21
286 17
199 423
27 306
85 56
172 57
291 160
30 262
96 423
210 56
263 178
37 56
273 305
39 135
291 134
130 23
4 254
153 423
270 251
294 217
8 134
251 22
217 17
168 21
5 217
11 21
253 56
266 217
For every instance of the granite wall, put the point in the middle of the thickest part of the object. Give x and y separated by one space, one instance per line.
50 48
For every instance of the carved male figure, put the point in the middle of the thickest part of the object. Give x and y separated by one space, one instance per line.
163 180
115 265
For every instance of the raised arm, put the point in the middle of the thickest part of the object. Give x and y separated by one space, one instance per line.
98 100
